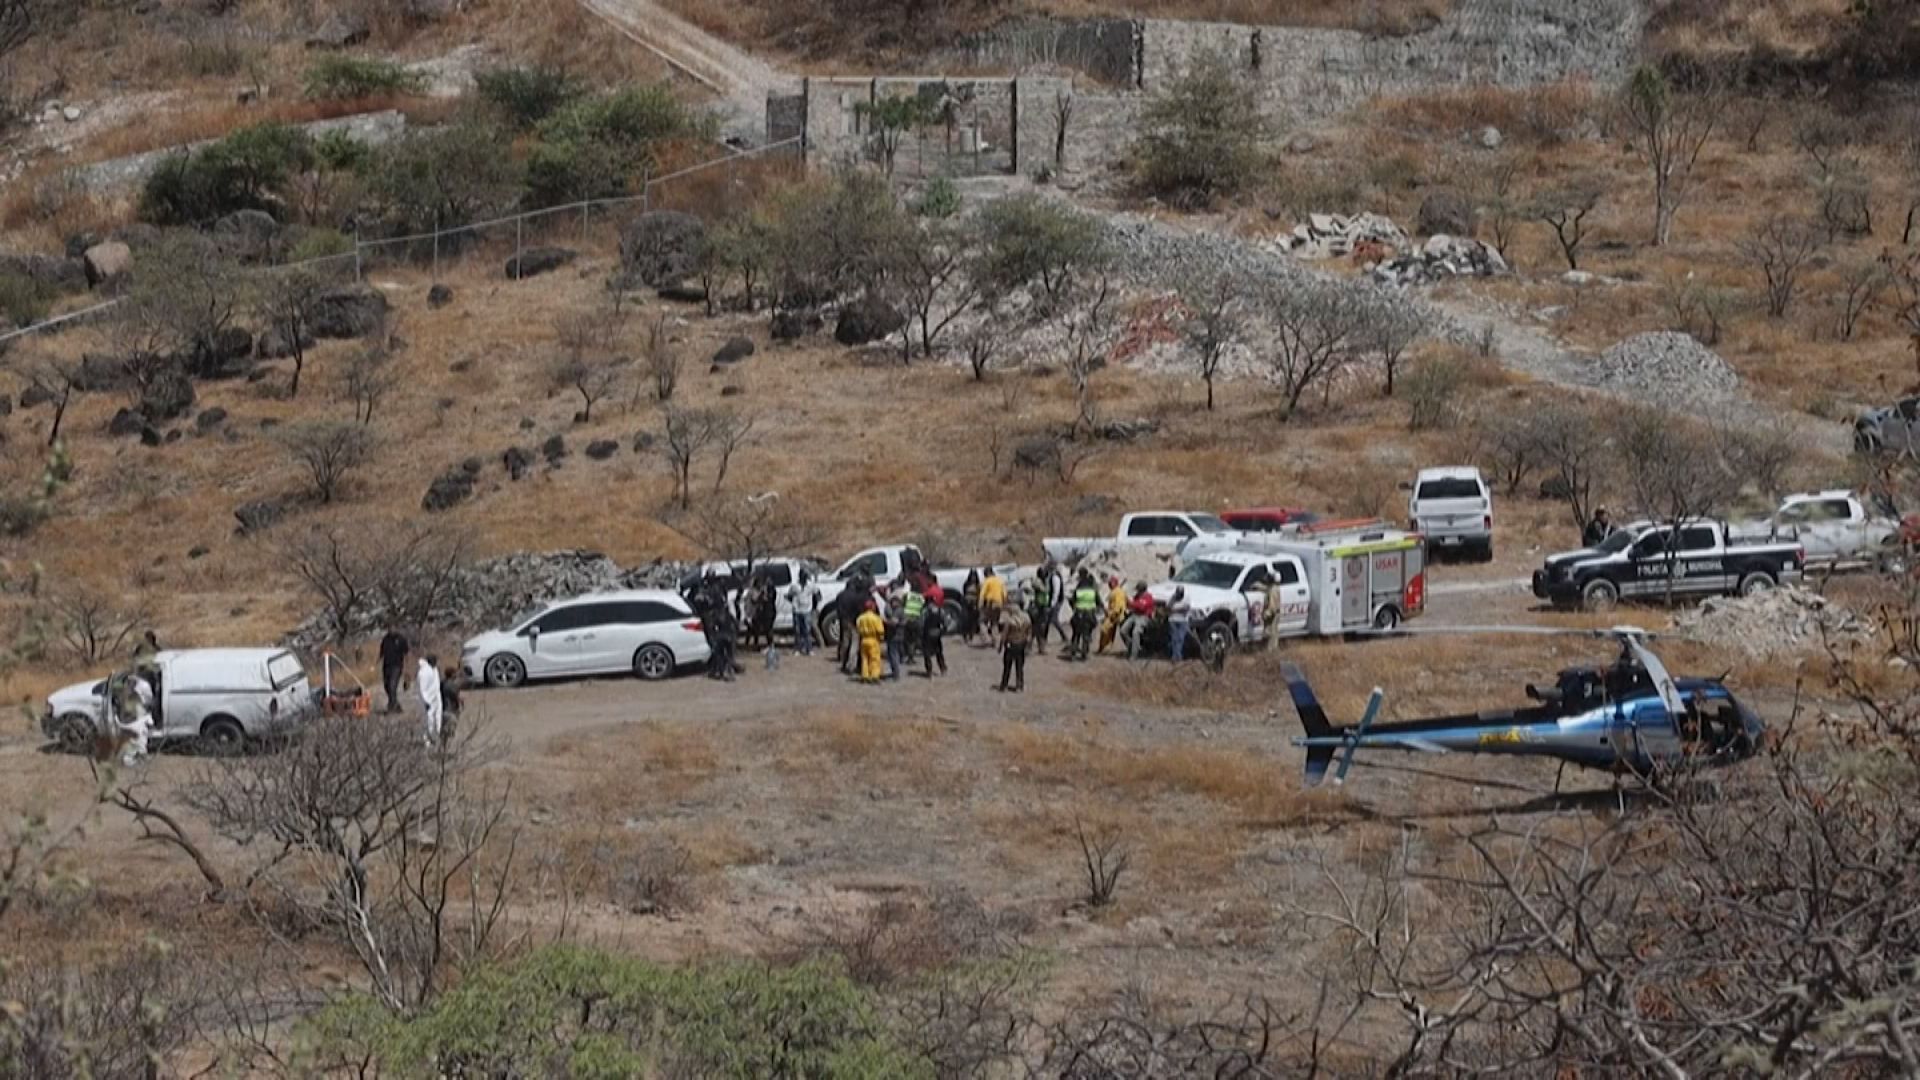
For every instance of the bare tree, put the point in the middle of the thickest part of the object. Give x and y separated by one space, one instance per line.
366 578
370 376
935 269
1779 248
1510 446
592 377
1903 280
1062 122
1573 451
1861 283
93 625
1671 128
20 20
1317 327
982 343
1092 327
1501 207
183 304
60 377
1395 326
751 530
1565 211
159 826
285 303
1104 856
663 361
1215 322
1673 469
732 430
330 451
693 432
1909 164
400 851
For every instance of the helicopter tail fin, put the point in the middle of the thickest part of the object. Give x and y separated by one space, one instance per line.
1313 718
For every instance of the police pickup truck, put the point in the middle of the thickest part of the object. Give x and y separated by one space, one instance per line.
1643 560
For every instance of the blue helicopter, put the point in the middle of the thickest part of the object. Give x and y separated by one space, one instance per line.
1630 717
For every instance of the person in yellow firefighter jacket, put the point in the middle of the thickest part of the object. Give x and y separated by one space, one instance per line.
873 631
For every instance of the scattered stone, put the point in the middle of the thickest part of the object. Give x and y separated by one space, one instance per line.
273 344
247 235
602 449
1442 256
1666 366
792 325
210 419
199 551
150 436
350 311
643 442
472 465
460 367
866 320
735 350
1335 236
662 247
36 394
1445 210
1128 430
106 263
1778 622
125 422
518 460
439 296
554 449
682 293
71 113
56 272
448 490
341 31
1490 137
526 423
536 261
732 391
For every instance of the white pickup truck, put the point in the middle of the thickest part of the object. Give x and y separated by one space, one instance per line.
1158 530
884 564
1837 530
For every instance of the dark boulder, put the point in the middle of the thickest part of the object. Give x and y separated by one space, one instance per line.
683 293
210 418
1445 211
350 311
439 296
78 243
541 260
735 350
150 436
36 394
341 31
644 441
100 374
602 449
472 465
518 460
125 422
228 355
55 273
261 514
554 449
662 247
199 551
732 391
866 320
791 325
247 235
167 396
6 406
274 344
448 490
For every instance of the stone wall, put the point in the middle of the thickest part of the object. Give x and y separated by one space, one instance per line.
1107 50
982 139
786 117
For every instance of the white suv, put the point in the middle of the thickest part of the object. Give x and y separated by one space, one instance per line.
1453 508
650 632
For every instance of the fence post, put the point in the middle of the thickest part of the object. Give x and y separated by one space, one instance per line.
357 277
519 242
585 208
436 247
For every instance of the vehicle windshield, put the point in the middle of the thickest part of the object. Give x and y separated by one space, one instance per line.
1207 523
1452 487
1619 540
528 615
284 670
1213 575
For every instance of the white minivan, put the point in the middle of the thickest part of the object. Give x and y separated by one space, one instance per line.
650 632
1453 508
218 697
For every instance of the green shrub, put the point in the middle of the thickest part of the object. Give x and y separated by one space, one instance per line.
23 301
345 78
319 244
601 147
528 95
240 172
568 1011
340 151
446 176
1203 135
940 200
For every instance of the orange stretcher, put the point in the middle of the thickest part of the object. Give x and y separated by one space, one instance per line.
339 700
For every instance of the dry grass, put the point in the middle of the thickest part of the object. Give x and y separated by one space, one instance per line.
1542 115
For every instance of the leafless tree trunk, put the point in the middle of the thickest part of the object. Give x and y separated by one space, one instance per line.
1779 248
1671 128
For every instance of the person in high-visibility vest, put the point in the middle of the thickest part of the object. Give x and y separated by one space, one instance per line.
1116 612
913 609
1086 615
872 630
1040 606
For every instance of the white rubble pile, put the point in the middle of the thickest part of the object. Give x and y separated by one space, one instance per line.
1442 256
1778 622
1336 236
1131 565
487 594
1666 366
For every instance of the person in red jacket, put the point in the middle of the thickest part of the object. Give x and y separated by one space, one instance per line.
1139 617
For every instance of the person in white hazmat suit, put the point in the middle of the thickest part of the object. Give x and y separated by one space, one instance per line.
427 681
136 721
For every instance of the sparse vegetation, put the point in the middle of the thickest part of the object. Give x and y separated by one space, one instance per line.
347 78
1203 137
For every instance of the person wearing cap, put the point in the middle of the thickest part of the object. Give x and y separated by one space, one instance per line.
1086 616
1116 612
1598 529
873 631
1139 617
1016 630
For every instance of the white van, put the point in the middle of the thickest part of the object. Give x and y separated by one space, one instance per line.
221 697
1453 508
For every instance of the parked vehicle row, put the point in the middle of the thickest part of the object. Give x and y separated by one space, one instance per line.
1653 559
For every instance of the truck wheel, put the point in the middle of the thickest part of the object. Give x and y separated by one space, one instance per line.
1387 618
221 736
830 628
1486 552
1601 595
956 615
653 662
1756 583
1217 639
75 733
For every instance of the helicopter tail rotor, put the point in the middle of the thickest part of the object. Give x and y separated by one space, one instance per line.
1313 718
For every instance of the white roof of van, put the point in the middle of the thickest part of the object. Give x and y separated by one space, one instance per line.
219 656
1449 472
618 595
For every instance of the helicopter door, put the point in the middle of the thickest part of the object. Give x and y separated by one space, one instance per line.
1658 737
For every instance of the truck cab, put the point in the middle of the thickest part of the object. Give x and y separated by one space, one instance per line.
1228 591
1837 530
1453 508
1166 530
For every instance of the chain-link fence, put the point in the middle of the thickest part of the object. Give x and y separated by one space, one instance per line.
529 242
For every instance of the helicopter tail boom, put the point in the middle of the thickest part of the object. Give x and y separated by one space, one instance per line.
1314 719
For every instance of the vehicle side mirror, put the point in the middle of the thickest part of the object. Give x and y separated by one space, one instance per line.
1405 485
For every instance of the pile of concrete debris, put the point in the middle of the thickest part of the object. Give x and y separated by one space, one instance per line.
1666 366
1131 565
1776 623
1442 256
492 592
1337 236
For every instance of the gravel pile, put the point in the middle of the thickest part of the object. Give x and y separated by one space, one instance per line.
1157 256
1779 622
488 594
1666 366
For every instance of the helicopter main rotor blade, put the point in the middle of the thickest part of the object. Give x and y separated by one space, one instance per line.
1622 633
1662 680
